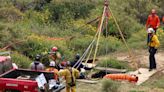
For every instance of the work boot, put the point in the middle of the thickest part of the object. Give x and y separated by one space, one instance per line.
150 70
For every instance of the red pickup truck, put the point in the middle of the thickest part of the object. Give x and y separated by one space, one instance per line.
23 80
15 80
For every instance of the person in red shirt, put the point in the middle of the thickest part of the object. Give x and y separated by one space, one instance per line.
153 21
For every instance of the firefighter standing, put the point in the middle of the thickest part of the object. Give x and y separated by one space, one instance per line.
54 55
70 75
153 45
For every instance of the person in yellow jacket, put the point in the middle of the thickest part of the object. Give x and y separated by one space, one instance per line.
153 45
70 74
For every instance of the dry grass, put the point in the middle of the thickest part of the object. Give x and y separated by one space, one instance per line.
84 87
124 87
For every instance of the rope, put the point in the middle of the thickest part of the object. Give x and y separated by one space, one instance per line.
122 36
106 49
80 60
88 56
99 30
84 54
119 29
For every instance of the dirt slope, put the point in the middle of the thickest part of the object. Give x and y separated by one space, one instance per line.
143 57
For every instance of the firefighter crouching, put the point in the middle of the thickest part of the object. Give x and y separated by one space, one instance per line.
52 68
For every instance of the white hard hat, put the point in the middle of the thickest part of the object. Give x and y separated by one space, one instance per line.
150 30
52 63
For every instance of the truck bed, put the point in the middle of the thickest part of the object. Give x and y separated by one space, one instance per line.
14 74
23 76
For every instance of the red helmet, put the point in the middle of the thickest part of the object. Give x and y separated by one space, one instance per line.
63 63
54 49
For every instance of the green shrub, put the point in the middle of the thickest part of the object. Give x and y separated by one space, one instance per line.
136 91
24 1
21 60
138 40
80 44
35 44
160 34
108 45
113 63
110 86
10 34
11 14
5 3
40 18
70 9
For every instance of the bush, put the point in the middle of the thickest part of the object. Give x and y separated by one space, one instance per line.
110 86
35 44
5 3
135 91
10 35
80 44
20 60
113 63
11 14
160 34
41 18
70 9
138 40
108 45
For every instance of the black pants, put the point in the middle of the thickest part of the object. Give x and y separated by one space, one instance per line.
152 60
